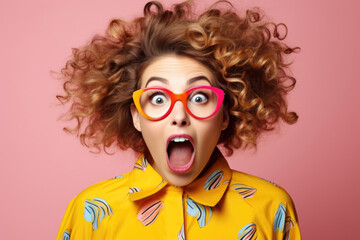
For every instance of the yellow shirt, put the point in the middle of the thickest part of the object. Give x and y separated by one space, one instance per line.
219 204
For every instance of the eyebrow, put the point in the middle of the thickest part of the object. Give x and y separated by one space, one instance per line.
191 80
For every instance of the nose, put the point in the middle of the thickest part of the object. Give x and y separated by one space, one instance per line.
179 115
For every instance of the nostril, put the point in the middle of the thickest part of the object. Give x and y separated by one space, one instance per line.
182 123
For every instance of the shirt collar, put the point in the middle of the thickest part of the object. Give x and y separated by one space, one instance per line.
207 189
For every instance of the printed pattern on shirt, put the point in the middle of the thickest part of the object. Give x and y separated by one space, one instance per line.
201 212
279 221
134 190
289 223
95 210
181 234
243 190
270 182
142 165
218 187
149 211
248 232
66 235
214 180
162 182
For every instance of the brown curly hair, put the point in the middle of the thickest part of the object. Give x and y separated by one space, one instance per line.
245 54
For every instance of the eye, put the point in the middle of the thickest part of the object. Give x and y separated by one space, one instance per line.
157 98
199 98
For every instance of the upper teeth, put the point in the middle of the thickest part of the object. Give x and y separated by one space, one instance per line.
179 139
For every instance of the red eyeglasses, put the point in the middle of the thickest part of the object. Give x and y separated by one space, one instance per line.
200 102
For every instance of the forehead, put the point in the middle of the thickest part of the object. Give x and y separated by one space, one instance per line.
175 70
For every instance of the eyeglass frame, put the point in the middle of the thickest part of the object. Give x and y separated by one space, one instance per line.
182 97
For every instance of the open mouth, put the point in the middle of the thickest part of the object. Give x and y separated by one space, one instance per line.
180 153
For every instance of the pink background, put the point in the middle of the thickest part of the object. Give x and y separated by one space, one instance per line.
316 160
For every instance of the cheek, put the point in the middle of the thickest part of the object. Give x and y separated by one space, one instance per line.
210 132
151 132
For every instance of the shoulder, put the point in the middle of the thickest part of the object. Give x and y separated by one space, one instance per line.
110 192
271 203
262 190
88 210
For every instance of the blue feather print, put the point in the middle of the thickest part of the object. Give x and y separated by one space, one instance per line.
214 180
248 232
279 221
201 212
243 190
66 235
95 210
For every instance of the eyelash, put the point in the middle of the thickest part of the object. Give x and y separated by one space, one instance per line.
157 92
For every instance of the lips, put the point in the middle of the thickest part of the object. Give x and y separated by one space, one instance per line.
180 153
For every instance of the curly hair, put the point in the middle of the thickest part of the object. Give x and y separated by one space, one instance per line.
245 54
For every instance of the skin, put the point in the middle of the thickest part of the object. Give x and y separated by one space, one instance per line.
174 73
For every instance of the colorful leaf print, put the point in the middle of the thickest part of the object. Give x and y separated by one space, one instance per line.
214 180
201 212
243 190
289 223
247 232
66 235
149 211
162 182
95 210
142 165
134 190
181 234
270 182
279 218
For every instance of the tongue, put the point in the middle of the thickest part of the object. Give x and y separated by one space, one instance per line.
180 153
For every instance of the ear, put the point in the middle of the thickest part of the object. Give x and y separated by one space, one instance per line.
135 117
225 122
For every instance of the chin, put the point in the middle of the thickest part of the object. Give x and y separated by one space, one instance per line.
180 180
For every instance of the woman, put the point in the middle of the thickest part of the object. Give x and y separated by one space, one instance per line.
173 87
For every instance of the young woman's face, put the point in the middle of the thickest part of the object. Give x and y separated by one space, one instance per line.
180 145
